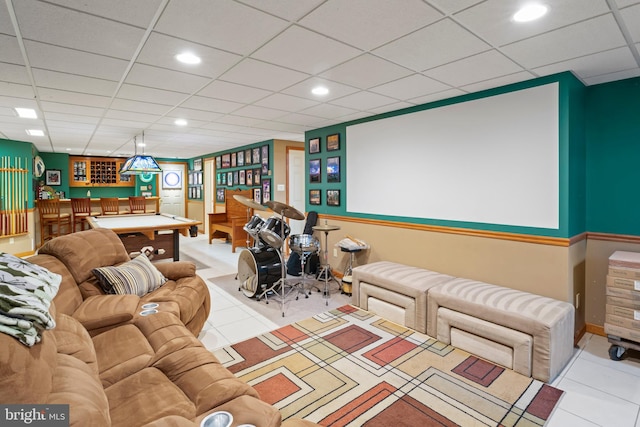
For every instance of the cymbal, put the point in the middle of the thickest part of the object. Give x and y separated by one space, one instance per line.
249 202
325 227
285 210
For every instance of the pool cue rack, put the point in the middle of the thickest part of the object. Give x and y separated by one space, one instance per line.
14 196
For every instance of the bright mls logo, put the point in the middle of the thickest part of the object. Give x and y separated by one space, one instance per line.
34 415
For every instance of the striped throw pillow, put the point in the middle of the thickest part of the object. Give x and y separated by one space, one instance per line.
137 277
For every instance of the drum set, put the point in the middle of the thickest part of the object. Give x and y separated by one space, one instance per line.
261 267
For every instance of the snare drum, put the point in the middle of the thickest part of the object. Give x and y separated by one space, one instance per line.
258 267
270 232
304 244
253 226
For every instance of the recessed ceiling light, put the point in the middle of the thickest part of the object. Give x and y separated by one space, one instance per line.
35 132
319 90
26 113
188 58
530 12
180 122
141 144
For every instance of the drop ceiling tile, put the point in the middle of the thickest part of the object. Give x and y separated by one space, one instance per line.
138 106
439 43
9 47
16 90
328 111
631 17
367 24
285 102
259 74
130 124
306 120
80 110
303 89
498 81
74 62
65 81
625 3
410 87
237 120
72 29
304 50
161 78
220 24
191 114
620 75
11 73
391 107
71 119
291 10
160 50
492 20
211 104
450 93
233 92
139 12
576 40
132 115
191 124
73 98
451 6
366 71
281 127
364 101
484 66
6 26
593 65
151 95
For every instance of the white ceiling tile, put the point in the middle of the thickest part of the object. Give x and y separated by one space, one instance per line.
492 19
305 51
147 94
391 107
366 71
410 87
625 3
237 120
161 78
73 98
303 89
139 12
70 109
211 104
11 73
484 66
367 24
302 119
281 127
271 77
62 27
593 65
132 115
71 119
450 93
6 26
191 114
328 111
498 81
631 17
620 75
290 10
233 92
71 82
437 44
286 102
219 23
74 62
138 106
451 6
576 40
9 47
364 101
259 112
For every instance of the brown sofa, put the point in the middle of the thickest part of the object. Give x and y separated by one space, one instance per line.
114 367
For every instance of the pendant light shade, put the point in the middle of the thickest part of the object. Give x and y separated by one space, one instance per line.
139 163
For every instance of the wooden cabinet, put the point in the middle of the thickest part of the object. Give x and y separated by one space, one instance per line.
98 172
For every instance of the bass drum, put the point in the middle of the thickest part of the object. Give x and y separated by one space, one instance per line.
270 232
258 268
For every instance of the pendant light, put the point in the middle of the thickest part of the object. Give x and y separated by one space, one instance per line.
139 163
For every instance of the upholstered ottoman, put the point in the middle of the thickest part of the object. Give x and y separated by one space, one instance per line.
528 333
395 291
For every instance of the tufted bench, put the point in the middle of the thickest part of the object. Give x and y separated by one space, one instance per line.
531 334
395 291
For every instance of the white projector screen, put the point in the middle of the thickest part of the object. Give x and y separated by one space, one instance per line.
492 160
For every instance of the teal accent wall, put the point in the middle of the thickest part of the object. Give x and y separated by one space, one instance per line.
572 191
613 157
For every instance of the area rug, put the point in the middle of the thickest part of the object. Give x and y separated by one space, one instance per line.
349 367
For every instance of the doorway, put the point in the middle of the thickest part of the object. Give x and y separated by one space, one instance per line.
296 184
173 189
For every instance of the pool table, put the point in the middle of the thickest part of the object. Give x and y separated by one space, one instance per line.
161 231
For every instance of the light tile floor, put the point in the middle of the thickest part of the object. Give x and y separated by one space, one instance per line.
598 391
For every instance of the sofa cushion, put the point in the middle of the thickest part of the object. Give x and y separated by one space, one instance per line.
138 277
68 298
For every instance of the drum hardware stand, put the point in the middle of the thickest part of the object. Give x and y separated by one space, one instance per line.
325 274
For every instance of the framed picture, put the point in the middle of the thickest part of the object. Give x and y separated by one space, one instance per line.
256 177
314 146
266 190
265 160
333 197
234 160
226 161
256 156
229 179
257 195
240 158
52 177
247 156
241 177
220 195
198 193
171 180
218 162
333 169
314 197
197 164
333 142
249 177
224 179
314 171
236 178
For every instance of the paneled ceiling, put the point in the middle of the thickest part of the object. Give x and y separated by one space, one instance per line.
99 73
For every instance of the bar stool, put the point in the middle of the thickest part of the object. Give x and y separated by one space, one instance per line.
111 206
81 209
137 204
52 220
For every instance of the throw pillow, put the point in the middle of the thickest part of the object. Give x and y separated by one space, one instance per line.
138 277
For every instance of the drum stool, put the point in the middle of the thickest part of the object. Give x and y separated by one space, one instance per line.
348 270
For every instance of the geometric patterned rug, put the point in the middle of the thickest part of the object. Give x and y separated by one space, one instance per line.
349 367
